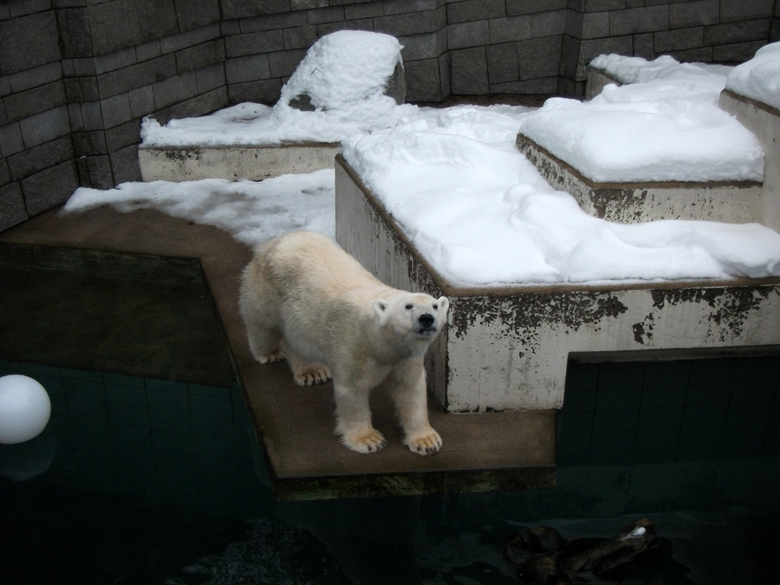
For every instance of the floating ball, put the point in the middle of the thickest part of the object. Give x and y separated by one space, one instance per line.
24 409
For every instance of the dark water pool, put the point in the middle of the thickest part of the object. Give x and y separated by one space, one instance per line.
140 480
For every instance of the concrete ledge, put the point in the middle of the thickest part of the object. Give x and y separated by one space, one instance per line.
597 80
252 163
726 201
763 121
507 348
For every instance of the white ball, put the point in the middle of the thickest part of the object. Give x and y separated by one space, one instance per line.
24 409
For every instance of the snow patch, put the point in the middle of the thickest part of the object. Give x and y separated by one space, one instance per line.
759 78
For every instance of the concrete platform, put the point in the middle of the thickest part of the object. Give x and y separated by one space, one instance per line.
726 201
763 121
253 163
508 348
508 451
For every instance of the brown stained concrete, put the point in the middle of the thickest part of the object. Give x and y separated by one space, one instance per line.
482 452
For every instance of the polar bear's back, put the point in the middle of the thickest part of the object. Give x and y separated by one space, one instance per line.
315 263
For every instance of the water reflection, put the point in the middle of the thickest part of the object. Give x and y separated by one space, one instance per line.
24 461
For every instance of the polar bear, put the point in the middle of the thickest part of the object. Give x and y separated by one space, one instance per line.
304 299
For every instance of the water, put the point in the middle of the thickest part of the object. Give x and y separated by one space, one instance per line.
140 480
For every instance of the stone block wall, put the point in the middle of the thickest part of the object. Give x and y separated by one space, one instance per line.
35 146
721 31
480 47
126 59
78 76
265 41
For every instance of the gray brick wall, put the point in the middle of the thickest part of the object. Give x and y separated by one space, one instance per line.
265 41
78 76
723 31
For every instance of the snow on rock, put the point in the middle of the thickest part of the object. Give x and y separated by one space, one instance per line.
759 78
344 69
482 215
638 70
665 126
344 74
251 212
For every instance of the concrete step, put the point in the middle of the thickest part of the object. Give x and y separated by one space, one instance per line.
764 122
253 163
736 202
507 348
726 201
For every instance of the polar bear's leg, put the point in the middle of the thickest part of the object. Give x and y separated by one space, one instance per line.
407 387
266 345
353 420
305 372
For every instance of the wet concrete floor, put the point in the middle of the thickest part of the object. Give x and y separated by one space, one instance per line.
145 293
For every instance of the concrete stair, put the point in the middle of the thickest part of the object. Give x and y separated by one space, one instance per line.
253 163
508 348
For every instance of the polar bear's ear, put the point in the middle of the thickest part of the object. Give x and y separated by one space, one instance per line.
444 302
380 308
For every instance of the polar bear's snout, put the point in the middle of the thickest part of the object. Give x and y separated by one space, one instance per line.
426 320
427 324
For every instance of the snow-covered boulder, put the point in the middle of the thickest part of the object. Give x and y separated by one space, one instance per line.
345 68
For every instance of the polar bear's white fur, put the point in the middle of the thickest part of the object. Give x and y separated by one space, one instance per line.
304 299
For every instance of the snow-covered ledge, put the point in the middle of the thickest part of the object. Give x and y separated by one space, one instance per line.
651 144
752 94
764 122
507 348
348 82
635 202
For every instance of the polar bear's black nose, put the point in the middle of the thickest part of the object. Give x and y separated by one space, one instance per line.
426 319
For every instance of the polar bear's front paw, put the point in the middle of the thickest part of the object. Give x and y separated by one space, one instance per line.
426 443
312 375
364 442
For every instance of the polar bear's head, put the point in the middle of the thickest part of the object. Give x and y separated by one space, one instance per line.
420 314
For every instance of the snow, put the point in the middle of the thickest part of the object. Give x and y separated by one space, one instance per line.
481 214
664 126
343 73
474 207
759 78
638 70
251 212
345 69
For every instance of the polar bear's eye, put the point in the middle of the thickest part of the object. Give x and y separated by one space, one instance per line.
409 307
435 307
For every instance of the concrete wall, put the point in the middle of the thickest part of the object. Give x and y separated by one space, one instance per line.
77 76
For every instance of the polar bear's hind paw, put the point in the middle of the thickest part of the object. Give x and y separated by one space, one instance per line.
425 444
312 375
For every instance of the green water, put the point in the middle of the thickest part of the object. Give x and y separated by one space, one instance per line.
139 480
